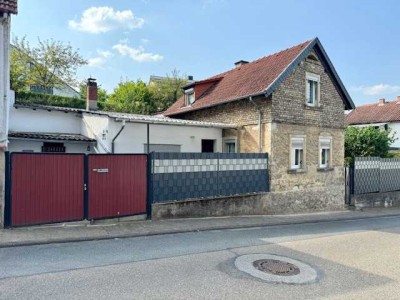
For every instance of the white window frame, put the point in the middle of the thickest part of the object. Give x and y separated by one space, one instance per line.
325 143
296 150
187 94
316 79
230 141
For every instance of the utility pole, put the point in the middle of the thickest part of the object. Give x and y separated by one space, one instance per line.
7 7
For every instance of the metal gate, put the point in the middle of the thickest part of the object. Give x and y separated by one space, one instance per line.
45 188
117 185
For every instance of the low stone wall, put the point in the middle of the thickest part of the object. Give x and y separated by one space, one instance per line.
301 201
387 199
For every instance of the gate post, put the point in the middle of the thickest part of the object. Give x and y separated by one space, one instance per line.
4 187
149 200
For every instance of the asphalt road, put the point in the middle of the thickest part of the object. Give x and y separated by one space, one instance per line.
357 259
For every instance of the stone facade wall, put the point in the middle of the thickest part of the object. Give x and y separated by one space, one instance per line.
289 100
282 178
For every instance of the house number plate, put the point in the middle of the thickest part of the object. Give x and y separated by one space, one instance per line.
100 170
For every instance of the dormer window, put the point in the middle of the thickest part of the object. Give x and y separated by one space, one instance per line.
189 97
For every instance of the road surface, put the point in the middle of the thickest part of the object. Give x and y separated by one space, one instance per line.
357 259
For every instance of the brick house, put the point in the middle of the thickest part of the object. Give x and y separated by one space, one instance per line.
289 104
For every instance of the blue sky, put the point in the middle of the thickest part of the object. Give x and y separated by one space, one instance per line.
137 38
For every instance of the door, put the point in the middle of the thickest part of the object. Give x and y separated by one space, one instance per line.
117 185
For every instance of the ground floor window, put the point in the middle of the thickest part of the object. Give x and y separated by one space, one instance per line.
53 147
325 152
207 146
297 153
230 146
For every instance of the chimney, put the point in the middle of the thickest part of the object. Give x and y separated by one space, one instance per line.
398 100
381 102
240 63
91 95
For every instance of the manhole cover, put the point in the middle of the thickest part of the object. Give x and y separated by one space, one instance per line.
276 267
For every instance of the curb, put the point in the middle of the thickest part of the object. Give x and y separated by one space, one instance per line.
155 233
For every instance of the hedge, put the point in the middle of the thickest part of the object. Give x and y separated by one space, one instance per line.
27 97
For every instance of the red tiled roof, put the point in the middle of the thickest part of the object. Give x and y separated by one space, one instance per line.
8 6
249 79
374 113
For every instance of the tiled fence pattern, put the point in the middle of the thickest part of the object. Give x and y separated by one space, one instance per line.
179 176
374 174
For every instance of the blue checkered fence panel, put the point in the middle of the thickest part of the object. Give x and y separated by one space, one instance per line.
390 174
366 175
374 174
179 176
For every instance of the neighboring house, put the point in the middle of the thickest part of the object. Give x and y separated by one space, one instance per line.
383 114
289 104
38 128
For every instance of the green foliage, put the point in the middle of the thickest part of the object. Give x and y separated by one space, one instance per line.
166 92
367 141
131 97
25 97
49 64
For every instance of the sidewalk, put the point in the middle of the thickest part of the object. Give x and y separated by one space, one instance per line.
83 231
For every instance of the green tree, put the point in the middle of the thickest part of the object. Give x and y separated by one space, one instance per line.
167 91
49 64
367 141
131 97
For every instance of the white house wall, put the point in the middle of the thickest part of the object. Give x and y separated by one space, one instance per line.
28 120
133 138
96 127
16 145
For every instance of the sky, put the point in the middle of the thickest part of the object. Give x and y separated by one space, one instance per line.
133 39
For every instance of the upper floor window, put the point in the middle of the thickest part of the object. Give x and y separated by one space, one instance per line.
312 89
189 97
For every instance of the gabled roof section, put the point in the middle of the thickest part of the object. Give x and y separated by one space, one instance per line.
374 113
260 77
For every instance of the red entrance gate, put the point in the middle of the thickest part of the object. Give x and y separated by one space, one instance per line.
117 185
46 188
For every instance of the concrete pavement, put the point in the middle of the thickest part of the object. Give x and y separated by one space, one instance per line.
84 231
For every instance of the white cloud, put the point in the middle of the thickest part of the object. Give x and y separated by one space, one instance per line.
104 19
100 59
377 90
137 54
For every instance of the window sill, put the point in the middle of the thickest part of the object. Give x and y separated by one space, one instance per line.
328 169
295 171
310 107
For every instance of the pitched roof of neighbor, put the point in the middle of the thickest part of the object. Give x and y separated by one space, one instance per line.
382 112
135 118
258 77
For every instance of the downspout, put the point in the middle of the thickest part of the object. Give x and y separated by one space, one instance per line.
259 123
115 137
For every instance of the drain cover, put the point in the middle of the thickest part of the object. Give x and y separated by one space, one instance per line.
276 267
